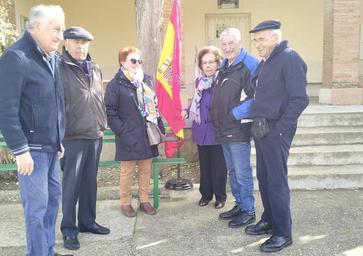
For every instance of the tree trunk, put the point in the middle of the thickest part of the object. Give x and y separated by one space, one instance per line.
149 15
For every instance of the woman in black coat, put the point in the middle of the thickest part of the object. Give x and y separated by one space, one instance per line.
130 102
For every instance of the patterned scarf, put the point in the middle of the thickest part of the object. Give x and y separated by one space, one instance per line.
135 78
203 83
146 97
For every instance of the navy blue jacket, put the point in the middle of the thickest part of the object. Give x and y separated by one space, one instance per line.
31 99
125 120
232 88
280 88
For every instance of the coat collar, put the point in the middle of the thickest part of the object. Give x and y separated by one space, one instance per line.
32 44
279 48
122 80
241 56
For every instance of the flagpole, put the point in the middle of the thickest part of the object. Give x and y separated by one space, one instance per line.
168 84
179 183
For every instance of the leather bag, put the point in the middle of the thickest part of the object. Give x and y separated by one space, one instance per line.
154 134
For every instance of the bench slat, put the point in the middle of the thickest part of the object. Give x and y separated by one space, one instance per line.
109 137
8 167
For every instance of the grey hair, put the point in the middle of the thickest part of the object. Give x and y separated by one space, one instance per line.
231 31
278 33
41 13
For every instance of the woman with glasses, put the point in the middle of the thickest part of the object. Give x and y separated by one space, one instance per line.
213 171
130 103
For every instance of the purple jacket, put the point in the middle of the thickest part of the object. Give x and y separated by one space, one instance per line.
203 133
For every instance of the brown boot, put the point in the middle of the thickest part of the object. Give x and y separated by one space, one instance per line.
128 211
147 208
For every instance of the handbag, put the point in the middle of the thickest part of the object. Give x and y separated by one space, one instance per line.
153 133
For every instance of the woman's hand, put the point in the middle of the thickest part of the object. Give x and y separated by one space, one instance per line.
184 114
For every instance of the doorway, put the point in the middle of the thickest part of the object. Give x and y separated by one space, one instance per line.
216 23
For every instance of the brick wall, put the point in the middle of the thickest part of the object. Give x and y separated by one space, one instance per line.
341 44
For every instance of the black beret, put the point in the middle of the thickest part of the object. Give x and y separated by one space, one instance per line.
267 24
77 33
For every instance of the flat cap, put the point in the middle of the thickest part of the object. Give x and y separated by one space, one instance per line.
267 24
77 33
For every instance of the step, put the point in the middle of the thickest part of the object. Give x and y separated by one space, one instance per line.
323 177
323 155
326 177
328 135
327 115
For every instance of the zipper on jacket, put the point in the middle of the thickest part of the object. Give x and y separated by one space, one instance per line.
32 128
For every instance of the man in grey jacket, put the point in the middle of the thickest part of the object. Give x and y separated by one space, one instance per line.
85 121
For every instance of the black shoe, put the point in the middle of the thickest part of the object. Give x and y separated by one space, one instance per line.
95 229
71 242
276 243
260 228
231 213
203 202
241 220
58 254
219 204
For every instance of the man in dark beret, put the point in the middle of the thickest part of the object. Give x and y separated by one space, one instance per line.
85 121
280 97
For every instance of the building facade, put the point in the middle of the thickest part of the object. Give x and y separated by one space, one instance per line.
327 34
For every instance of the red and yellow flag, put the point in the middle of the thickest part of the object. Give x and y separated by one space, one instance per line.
168 81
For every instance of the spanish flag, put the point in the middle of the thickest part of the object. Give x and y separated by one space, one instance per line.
168 81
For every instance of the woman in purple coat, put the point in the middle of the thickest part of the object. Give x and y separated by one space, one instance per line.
213 171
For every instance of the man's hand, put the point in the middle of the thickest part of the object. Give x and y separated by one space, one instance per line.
61 152
25 163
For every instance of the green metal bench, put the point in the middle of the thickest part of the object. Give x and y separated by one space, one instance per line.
109 137
5 167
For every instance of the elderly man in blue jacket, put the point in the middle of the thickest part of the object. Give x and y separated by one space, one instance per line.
280 97
32 122
233 90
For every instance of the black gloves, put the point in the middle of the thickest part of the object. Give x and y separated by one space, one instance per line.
259 128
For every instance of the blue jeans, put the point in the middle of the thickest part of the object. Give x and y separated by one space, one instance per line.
40 193
237 156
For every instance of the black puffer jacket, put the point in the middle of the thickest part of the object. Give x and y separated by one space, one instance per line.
125 120
83 99
232 82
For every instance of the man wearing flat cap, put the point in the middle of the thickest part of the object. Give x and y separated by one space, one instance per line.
280 97
85 121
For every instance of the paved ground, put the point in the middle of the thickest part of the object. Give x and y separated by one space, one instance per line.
325 222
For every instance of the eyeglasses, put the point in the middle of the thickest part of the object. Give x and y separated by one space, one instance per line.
211 62
134 61
261 39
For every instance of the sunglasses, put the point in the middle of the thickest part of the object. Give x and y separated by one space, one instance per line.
134 61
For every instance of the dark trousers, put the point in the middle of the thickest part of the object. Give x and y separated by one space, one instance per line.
272 153
213 172
81 158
